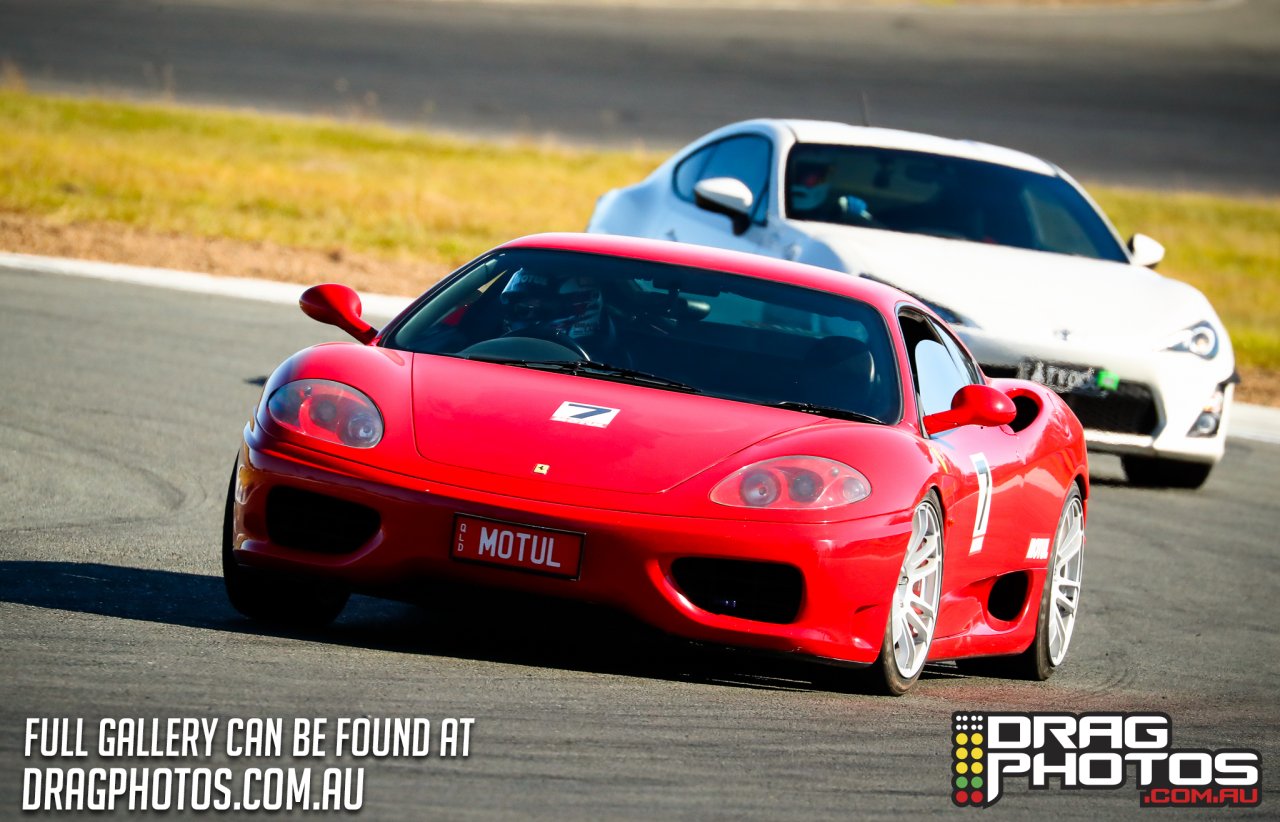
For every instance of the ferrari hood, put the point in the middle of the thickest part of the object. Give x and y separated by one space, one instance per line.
1025 294
523 423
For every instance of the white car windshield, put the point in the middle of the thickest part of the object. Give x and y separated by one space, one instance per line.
951 197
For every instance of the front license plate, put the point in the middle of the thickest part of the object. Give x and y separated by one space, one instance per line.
522 547
1061 378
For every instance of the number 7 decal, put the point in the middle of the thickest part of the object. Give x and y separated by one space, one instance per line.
581 413
983 468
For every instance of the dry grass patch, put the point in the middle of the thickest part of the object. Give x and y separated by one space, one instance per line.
294 182
1228 247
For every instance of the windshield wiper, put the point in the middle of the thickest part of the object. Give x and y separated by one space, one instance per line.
591 368
823 410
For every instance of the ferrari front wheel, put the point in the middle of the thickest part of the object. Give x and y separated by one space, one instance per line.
913 612
274 598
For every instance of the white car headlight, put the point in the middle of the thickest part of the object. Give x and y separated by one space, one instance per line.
1200 339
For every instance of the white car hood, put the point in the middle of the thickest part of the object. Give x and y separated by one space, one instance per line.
1022 294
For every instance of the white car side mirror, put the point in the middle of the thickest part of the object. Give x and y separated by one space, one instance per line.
727 196
1145 251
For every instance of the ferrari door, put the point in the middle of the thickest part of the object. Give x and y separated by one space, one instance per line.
984 466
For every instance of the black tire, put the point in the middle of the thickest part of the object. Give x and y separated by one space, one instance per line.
884 676
276 599
1155 472
1036 663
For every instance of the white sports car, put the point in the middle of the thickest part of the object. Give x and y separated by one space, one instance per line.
1004 246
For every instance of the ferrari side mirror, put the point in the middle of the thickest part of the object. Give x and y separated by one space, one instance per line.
973 405
337 305
1145 251
727 196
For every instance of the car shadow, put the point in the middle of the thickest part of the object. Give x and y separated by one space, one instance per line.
463 624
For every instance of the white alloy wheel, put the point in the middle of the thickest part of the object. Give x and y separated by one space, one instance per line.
915 599
1068 567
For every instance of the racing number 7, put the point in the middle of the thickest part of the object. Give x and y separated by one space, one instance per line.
983 469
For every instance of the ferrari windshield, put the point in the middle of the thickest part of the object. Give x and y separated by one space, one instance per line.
664 327
920 193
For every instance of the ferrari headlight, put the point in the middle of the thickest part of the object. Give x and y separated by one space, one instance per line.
1200 339
328 411
809 483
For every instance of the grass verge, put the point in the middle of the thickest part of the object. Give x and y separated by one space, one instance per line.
306 199
317 185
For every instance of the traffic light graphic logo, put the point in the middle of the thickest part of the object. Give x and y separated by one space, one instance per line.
968 755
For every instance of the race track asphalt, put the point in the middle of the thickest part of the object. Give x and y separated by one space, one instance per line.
119 418
1174 95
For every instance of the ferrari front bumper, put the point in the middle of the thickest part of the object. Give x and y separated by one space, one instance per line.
847 570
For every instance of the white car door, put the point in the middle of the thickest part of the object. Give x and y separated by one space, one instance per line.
744 157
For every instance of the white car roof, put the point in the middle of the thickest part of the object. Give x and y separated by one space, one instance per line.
831 133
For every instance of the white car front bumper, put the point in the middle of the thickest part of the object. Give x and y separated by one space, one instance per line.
1152 410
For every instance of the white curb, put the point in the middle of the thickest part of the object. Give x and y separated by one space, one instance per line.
1252 422
379 305
1255 422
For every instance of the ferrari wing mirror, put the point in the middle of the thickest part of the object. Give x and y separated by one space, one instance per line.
973 405
338 305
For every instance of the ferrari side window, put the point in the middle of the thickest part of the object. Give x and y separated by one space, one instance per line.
937 371
939 377
962 361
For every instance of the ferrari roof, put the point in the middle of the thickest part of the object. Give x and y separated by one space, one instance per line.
882 296
831 133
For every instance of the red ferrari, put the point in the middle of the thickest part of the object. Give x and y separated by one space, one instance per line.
736 450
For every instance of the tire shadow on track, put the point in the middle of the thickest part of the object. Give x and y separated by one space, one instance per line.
460 623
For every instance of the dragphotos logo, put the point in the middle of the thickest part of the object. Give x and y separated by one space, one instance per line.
1094 751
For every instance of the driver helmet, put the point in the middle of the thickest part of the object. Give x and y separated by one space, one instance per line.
528 300
582 304
809 185
572 307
